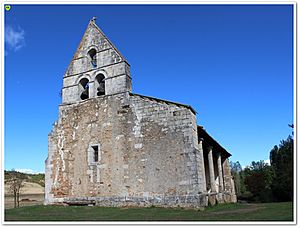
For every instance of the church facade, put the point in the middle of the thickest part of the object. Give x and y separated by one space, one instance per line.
112 147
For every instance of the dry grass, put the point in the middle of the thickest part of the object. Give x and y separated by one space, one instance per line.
29 188
31 194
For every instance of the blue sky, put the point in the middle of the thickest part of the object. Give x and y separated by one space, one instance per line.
232 63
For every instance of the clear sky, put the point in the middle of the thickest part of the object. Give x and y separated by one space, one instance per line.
232 63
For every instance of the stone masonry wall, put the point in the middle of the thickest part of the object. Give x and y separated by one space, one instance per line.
164 143
147 153
117 79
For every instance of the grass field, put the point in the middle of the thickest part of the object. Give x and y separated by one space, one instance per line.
223 212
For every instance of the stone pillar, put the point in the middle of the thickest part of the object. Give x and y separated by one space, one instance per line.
221 184
233 197
232 187
201 169
227 175
92 90
211 170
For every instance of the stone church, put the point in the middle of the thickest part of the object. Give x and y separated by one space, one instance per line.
113 147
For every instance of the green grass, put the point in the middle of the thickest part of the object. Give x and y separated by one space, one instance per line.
222 212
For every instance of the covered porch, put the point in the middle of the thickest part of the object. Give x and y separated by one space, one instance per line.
216 175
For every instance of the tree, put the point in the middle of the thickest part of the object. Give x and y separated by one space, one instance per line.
16 182
281 158
236 168
258 180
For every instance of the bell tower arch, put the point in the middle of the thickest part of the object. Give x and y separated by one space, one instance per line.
96 69
99 84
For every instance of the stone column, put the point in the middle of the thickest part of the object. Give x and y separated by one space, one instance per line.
201 168
211 170
227 175
92 91
221 184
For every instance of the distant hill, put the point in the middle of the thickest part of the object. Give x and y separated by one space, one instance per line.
33 178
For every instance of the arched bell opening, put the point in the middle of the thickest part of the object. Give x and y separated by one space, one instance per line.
93 57
83 88
100 84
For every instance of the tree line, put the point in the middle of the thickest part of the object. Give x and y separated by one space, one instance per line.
263 182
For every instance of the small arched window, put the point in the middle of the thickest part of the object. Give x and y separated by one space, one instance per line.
83 87
92 54
100 84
